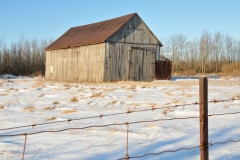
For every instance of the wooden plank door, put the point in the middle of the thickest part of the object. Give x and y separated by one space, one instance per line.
141 64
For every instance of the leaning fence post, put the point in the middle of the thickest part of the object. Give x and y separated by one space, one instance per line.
127 157
24 146
203 93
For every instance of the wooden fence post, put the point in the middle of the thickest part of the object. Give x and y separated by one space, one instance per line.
25 141
127 157
203 93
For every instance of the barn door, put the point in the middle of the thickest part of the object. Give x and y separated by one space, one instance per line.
141 64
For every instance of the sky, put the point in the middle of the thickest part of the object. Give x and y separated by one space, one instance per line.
45 19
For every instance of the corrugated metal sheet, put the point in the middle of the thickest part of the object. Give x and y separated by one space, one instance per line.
89 34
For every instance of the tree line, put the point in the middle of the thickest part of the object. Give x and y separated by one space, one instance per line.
24 57
211 53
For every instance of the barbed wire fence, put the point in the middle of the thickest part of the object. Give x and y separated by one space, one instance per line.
203 123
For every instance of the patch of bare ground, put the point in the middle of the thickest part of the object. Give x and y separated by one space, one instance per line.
68 111
97 95
49 108
51 118
29 109
56 102
1 107
73 99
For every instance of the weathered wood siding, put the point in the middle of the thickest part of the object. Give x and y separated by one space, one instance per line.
80 64
120 58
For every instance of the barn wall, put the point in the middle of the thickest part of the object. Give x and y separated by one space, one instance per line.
133 34
81 64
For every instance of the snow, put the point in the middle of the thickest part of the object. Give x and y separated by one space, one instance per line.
27 101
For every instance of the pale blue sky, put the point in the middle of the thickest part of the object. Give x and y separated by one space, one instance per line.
51 18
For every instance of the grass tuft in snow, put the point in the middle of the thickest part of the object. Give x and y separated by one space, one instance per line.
97 95
30 109
41 95
51 118
49 108
56 102
1 82
132 87
1 107
40 82
166 111
68 111
73 99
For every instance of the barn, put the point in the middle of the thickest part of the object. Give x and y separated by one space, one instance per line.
119 49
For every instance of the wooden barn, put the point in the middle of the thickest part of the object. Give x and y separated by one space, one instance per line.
119 49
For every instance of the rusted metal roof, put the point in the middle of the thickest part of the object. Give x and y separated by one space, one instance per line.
89 34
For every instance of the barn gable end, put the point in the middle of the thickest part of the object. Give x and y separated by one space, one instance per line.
132 41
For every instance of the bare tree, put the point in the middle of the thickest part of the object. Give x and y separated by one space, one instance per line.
205 49
175 45
217 48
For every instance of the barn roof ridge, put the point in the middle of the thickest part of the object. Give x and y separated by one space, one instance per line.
93 33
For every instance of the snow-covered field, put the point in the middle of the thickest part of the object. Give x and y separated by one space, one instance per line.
26 101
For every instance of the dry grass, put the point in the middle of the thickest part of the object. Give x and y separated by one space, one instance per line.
1 107
96 95
175 101
1 82
107 104
132 87
73 99
29 109
114 102
41 95
56 102
231 69
49 108
40 82
152 105
130 96
134 104
14 89
51 118
166 111
3 94
168 94
68 111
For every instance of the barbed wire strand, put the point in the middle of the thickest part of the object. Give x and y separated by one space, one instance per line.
176 150
120 113
117 124
99 116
